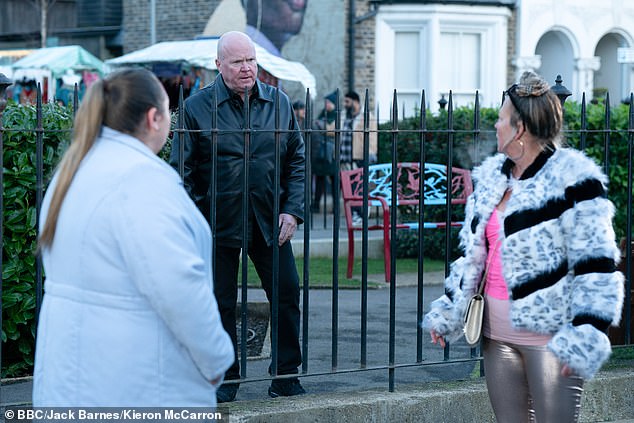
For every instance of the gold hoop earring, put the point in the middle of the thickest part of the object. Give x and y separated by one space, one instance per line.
521 143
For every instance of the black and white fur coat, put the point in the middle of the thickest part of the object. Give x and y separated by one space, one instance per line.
558 251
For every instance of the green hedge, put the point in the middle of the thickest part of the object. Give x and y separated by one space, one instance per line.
19 240
468 154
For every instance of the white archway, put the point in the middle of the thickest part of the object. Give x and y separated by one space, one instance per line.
612 76
557 57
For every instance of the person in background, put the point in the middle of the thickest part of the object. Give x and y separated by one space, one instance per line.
197 82
323 163
354 123
540 219
237 64
352 139
129 317
300 113
28 92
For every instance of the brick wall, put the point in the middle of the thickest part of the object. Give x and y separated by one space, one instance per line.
511 49
320 45
175 20
364 56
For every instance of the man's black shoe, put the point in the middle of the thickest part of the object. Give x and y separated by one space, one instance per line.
227 392
286 388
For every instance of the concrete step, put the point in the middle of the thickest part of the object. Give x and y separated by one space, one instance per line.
608 397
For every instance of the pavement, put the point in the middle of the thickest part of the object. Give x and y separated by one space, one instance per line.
335 378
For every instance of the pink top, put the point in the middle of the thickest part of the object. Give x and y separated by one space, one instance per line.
497 321
496 285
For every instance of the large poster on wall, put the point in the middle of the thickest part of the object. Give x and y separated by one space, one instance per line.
271 23
311 32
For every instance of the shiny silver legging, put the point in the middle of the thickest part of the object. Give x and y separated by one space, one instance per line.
525 384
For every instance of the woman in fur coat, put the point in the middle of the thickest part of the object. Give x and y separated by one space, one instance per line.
540 220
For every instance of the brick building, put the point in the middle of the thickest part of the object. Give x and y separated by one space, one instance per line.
174 20
96 25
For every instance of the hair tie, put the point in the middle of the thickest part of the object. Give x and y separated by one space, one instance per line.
531 90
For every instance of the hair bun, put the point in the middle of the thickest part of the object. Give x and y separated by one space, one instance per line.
531 84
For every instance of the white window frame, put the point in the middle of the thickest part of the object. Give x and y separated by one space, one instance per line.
489 22
385 64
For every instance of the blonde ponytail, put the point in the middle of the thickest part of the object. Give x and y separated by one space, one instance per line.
120 102
88 123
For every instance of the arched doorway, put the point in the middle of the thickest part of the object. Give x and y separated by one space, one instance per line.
557 55
611 76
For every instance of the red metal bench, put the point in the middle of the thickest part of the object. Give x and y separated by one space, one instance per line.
380 195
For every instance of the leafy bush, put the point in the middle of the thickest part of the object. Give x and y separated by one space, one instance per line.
466 152
433 244
434 240
20 238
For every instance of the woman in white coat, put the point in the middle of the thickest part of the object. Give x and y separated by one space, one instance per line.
128 317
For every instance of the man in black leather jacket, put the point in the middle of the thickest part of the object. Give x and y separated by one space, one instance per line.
238 74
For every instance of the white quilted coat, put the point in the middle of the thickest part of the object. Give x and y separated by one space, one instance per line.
129 317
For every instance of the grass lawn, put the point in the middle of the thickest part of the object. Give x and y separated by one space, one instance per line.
621 357
321 271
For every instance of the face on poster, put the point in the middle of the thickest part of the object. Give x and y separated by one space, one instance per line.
271 23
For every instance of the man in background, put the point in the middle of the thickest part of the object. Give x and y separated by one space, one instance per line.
300 113
352 137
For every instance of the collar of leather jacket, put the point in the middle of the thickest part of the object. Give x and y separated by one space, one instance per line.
258 91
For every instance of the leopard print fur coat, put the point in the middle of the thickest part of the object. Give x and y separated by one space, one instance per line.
558 252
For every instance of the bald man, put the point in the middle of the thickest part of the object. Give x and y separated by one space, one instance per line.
237 80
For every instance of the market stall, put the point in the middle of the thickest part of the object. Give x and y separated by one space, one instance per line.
56 67
201 54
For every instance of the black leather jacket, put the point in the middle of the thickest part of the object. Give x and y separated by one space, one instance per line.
198 115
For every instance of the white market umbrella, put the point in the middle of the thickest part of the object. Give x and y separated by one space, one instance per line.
202 53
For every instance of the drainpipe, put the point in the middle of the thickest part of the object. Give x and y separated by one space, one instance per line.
352 21
152 22
351 49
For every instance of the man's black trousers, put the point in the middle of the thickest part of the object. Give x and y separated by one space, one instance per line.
227 262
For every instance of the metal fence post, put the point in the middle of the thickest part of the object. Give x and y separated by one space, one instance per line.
560 91
4 83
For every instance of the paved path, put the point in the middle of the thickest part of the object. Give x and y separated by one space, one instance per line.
348 348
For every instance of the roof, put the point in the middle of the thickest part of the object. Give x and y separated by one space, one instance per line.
202 53
59 59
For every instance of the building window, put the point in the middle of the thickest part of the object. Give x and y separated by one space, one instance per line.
407 79
460 51
437 48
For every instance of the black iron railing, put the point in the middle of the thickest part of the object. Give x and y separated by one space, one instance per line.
422 353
